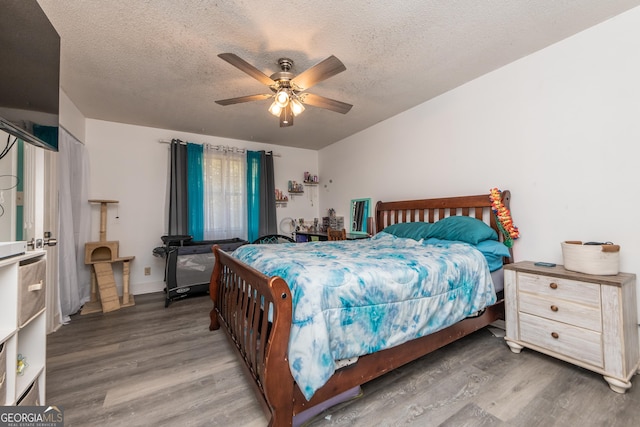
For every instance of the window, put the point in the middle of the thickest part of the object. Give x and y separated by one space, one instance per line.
225 197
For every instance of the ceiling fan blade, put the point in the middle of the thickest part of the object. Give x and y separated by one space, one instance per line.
241 99
243 65
327 103
319 72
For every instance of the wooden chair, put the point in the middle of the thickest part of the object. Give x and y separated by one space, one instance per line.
336 234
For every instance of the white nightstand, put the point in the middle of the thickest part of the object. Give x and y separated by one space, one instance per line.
588 320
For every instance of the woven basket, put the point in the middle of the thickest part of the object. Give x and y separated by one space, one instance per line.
602 260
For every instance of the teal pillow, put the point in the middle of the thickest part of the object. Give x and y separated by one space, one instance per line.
411 230
462 229
493 247
493 251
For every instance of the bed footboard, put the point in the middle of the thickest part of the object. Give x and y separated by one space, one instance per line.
255 312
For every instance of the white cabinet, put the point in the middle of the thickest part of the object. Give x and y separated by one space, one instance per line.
23 332
588 320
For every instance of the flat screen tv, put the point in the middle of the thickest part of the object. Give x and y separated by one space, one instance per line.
30 73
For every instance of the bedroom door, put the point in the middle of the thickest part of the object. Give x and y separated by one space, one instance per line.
40 217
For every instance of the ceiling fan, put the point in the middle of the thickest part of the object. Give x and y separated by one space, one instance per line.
288 89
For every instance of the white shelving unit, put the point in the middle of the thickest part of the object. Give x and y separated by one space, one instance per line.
28 339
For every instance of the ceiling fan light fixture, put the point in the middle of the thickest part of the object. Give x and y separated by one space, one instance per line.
286 117
287 88
275 109
282 98
296 107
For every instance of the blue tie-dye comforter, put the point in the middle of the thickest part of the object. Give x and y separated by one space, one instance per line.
352 298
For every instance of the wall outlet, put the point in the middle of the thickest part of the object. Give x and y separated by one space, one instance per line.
147 271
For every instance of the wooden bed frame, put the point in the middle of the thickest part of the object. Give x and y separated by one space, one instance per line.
241 297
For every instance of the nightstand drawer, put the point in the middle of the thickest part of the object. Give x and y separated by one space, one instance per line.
584 316
571 290
577 343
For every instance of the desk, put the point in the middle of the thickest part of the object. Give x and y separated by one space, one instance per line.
308 236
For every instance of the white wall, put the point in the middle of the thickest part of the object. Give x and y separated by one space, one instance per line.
559 128
129 164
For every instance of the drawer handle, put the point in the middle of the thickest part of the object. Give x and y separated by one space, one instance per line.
553 285
35 287
554 308
555 335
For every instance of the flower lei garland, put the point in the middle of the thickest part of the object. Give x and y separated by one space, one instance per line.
505 222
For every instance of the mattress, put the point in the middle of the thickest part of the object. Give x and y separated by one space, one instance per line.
498 280
352 298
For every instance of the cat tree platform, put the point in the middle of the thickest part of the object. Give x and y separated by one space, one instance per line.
101 256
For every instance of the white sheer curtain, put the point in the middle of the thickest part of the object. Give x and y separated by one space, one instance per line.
225 193
75 224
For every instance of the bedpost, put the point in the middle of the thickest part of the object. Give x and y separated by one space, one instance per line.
506 201
379 217
371 228
213 289
278 381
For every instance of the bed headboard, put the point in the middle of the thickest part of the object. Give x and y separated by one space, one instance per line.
432 210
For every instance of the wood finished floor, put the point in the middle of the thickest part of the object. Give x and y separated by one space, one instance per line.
150 366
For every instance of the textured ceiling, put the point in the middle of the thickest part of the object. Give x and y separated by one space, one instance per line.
154 62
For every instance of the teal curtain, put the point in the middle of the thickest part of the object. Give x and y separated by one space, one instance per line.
253 195
195 191
261 202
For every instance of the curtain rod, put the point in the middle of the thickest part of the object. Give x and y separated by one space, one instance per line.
218 147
